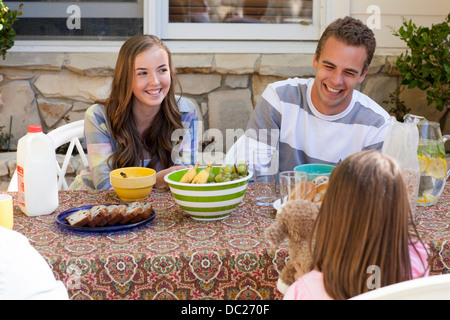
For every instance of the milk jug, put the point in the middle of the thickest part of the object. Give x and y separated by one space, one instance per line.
36 173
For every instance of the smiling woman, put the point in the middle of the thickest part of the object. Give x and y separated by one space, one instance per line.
151 84
134 126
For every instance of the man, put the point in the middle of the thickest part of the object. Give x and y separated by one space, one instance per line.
324 119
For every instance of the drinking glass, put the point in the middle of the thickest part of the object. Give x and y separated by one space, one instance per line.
292 185
265 174
6 211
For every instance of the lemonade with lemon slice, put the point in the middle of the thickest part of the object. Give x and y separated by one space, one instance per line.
433 171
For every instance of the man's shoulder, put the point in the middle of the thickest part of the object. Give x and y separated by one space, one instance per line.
367 102
293 82
289 90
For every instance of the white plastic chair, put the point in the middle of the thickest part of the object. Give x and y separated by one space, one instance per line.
429 288
71 132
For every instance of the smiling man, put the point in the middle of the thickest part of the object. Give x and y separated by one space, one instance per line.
324 119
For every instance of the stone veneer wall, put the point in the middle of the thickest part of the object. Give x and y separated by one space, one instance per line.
53 88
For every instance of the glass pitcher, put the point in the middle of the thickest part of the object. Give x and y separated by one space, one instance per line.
431 156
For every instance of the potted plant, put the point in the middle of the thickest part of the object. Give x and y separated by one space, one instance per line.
399 109
7 35
427 65
7 32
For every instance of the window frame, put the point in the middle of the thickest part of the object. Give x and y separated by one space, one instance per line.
240 31
154 10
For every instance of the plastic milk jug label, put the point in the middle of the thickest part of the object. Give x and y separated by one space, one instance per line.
21 185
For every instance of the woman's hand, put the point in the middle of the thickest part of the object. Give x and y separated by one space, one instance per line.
160 183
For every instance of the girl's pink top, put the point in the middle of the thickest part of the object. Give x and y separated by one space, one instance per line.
310 286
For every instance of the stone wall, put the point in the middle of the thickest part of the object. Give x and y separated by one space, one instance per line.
54 88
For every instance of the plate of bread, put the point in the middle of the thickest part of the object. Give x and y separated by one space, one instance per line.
315 190
106 217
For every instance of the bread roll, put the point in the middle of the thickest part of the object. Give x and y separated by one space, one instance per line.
320 180
320 192
300 189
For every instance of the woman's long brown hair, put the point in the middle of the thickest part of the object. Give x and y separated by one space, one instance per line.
157 138
363 222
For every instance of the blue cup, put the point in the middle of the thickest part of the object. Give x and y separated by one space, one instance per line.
315 169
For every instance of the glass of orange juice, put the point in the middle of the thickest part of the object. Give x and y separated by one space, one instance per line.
6 211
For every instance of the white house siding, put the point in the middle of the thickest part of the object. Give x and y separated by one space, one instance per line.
209 78
422 12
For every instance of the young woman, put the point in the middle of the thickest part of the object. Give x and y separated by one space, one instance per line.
362 236
142 123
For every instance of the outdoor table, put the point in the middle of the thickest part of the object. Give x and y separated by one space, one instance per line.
176 257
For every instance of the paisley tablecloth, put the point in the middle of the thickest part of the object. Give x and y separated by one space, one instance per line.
433 225
173 257
176 257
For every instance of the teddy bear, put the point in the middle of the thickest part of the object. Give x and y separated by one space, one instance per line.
294 221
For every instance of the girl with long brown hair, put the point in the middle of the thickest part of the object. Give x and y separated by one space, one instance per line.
364 235
142 123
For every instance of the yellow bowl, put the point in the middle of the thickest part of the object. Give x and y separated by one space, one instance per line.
137 185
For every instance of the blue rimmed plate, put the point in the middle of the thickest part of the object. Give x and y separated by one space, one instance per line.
61 221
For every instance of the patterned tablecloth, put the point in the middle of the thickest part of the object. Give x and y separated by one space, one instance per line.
176 257
433 225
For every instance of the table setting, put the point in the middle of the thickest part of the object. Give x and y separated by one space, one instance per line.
175 255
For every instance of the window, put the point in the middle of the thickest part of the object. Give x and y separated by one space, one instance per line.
269 26
241 19
245 11
81 20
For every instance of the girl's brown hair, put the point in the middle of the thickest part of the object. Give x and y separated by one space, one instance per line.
363 222
157 138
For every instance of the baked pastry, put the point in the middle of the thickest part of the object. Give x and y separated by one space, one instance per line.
121 211
146 212
320 180
79 218
102 215
300 188
315 189
320 192
132 211
97 214
113 211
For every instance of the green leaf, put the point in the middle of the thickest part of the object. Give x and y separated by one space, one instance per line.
425 63
412 84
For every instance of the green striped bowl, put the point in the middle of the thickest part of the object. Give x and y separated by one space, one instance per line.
208 201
